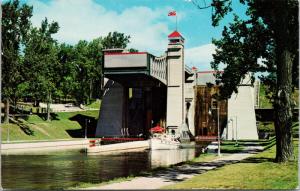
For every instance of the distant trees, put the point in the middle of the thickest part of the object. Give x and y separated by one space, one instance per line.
41 63
36 66
115 40
15 27
67 71
81 66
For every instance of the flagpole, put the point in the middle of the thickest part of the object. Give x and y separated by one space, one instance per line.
176 21
173 13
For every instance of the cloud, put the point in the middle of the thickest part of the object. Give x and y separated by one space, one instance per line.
200 56
86 20
148 27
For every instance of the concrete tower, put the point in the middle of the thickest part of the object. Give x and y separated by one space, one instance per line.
241 112
176 79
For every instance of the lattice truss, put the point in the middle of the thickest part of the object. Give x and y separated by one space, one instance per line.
158 68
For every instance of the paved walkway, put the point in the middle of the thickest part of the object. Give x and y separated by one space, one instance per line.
179 173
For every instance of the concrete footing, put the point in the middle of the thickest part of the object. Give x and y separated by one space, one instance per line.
29 146
119 147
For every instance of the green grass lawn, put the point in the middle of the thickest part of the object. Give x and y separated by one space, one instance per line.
95 104
264 102
34 127
230 147
257 172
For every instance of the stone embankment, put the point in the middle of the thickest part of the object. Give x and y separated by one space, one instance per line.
72 144
44 144
119 147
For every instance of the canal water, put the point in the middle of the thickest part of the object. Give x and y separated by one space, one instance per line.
68 168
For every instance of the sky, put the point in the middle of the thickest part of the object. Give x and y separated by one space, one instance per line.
146 21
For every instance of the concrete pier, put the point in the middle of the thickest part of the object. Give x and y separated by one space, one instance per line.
119 146
44 145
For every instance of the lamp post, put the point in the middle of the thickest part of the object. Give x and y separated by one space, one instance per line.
8 134
231 121
218 121
85 131
236 138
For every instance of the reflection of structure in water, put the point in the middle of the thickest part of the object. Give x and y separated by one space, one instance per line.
169 157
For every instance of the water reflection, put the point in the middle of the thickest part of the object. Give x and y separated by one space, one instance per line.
169 157
63 169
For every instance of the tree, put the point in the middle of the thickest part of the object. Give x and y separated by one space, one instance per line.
80 66
115 40
269 34
67 83
41 62
15 25
95 48
88 60
83 65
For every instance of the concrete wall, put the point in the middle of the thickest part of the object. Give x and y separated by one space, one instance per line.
189 94
125 60
175 87
241 115
110 116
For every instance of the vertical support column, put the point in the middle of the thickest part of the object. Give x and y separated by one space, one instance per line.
110 121
125 112
241 109
175 84
148 104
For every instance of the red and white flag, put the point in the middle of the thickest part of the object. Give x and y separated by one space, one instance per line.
172 13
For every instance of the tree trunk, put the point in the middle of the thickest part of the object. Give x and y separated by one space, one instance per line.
48 107
36 102
91 93
15 102
283 104
6 113
283 108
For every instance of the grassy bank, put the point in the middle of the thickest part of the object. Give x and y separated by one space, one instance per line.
257 172
92 184
228 147
66 125
94 105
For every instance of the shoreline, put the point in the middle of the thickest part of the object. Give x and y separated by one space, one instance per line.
174 173
41 145
54 145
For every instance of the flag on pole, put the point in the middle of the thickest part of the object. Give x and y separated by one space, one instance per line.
172 13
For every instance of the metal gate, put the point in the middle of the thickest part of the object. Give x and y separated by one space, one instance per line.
206 112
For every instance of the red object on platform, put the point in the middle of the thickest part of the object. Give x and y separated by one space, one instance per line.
157 129
121 139
123 53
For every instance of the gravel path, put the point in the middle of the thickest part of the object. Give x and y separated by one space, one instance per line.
179 173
